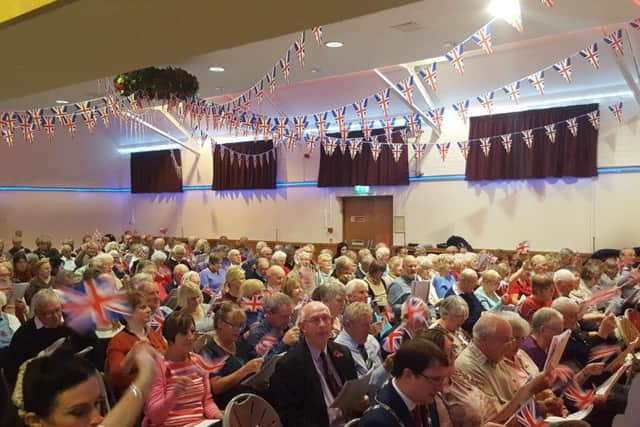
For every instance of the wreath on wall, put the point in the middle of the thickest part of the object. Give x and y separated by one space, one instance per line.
157 83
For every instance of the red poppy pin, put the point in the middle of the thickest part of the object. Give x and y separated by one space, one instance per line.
337 354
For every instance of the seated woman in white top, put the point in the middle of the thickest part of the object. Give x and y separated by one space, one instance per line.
190 302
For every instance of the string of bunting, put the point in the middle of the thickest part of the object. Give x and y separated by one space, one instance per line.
261 158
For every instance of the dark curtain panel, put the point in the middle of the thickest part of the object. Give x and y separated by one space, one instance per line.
233 170
156 172
339 170
568 156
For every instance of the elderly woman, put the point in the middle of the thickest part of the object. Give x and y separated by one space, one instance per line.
163 276
122 348
190 302
42 279
444 281
201 252
486 292
520 365
280 258
181 395
453 313
252 291
304 270
103 263
226 383
178 256
233 279
324 267
377 288
395 269
88 251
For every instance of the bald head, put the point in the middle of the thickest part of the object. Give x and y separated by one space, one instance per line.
493 335
409 266
275 276
467 281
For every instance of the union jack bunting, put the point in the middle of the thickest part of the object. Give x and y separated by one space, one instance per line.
321 122
513 90
406 87
482 38
443 149
418 149
104 116
4 121
354 148
616 110
454 56
522 247
550 130
382 98
291 141
7 135
428 74
548 3
486 101
485 145
579 397
527 137
464 149
413 123
69 121
285 65
298 45
594 119
210 366
537 80
528 416
635 23
603 352
36 116
572 125
259 91
360 107
343 146
366 130
300 123
282 125
376 149
396 149
329 146
49 126
462 108
317 33
253 304
338 115
591 55
312 140
265 345
61 112
392 342
388 129
515 22
614 40
94 303
271 81
437 116
506 142
564 68
24 123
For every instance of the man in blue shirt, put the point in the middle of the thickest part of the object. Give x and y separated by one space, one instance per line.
273 335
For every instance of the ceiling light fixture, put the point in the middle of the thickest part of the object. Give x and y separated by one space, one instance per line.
334 44
216 69
505 9
61 101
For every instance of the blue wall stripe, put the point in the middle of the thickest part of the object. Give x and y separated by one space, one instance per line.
429 178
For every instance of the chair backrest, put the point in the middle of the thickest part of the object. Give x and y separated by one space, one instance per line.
353 423
250 410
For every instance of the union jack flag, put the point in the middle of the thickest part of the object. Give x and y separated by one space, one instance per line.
594 119
482 38
312 140
94 303
156 321
591 55
387 314
406 87
253 304
527 137
265 345
392 342
61 112
562 374
321 121
285 65
343 145
572 125
506 142
443 149
564 68
49 126
437 116
298 45
418 149
36 116
548 3
550 130
300 124
84 108
485 144
317 33
281 126
454 56
537 80
413 122
396 149
104 115
616 110
614 40
338 115
8 135
462 109
375 149
428 74
4 120
415 309
513 90
603 352
516 22
24 123
271 80
291 141
527 415
354 148
259 90
382 98
366 130
329 146
523 247
360 108
211 366
486 101
464 149
580 397
69 121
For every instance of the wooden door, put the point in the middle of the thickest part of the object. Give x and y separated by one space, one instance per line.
367 220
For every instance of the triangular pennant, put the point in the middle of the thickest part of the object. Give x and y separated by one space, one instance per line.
550 130
548 3
49 126
513 90
564 68
317 33
443 149
527 137
406 88
285 66
515 21
485 145
298 45
437 116
360 107
506 142
464 149
635 23
428 74
343 146
462 108
616 110
591 55
482 38
376 149
329 146
594 119
537 80
312 140
413 123
486 101
418 150
7 134
572 125
354 148
396 149
614 40
454 56
291 141
382 98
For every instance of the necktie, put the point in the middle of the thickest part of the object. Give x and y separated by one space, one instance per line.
334 388
417 416
363 352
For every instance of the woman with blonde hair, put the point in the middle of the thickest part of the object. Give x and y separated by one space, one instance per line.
41 280
233 279
190 302
486 292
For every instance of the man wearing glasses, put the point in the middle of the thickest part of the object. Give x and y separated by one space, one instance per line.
420 369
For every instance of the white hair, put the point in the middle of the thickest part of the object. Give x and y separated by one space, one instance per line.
179 249
382 251
140 280
279 255
562 303
485 326
454 305
424 262
543 317
43 297
101 259
562 275
519 326
159 256
356 310
350 287
188 277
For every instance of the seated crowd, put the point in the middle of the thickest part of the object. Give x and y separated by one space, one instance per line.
203 320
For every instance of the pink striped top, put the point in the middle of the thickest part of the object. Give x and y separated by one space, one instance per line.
165 408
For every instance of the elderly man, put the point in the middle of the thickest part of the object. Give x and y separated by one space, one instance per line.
234 258
465 287
178 256
539 264
420 370
41 331
363 254
400 289
344 269
546 323
259 270
357 291
172 289
262 251
383 254
275 279
144 283
564 281
310 375
274 334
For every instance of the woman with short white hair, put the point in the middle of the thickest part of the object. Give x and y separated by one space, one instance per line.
453 312
280 258
163 274
520 365
324 267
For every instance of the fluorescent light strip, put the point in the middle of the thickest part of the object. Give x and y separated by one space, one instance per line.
147 148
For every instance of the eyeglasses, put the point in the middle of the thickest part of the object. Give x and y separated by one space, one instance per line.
316 320
437 381
232 326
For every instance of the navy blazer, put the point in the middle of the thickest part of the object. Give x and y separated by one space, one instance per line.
378 416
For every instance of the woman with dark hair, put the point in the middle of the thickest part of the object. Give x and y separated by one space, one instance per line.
182 396
341 249
62 390
21 271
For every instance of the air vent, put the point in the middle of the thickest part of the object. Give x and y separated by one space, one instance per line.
407 27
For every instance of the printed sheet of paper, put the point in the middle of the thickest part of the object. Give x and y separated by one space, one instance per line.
261 377
605 387
580 415
350 397
556 349
421 289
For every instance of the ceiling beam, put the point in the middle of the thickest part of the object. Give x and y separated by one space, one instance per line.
161 132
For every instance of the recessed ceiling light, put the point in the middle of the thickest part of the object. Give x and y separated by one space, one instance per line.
506 9
315 70
61 101
216 69
334 44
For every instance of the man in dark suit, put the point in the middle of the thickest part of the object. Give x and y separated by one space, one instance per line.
464 287
420 369
310 375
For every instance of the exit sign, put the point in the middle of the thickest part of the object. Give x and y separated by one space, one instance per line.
361 190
